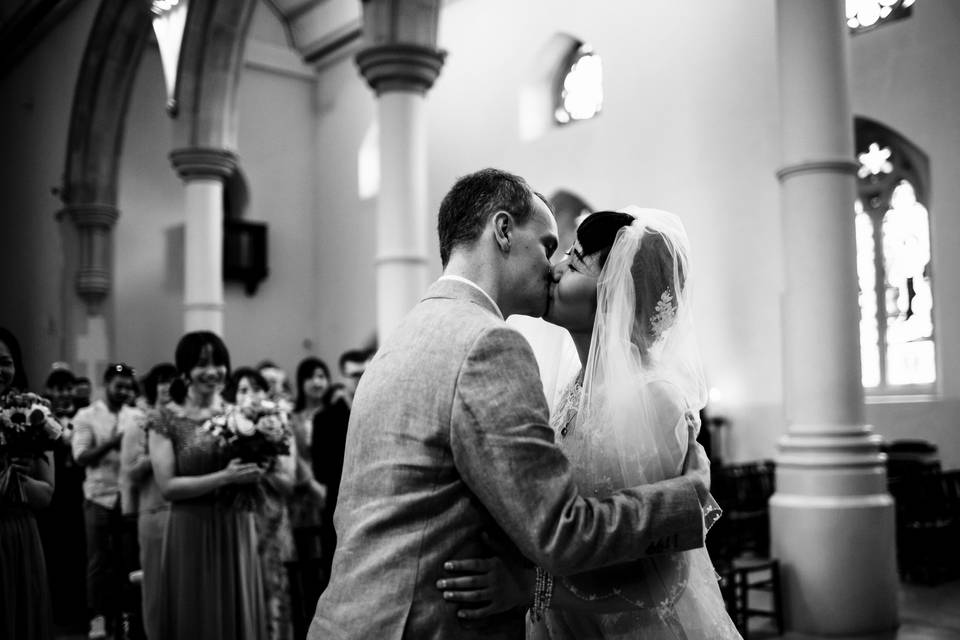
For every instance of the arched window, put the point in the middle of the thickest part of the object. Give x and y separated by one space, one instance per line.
897 346
866 15
579 85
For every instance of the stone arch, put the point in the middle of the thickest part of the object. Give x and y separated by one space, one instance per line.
211 62
112 56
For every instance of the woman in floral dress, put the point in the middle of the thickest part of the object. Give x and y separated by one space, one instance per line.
212 585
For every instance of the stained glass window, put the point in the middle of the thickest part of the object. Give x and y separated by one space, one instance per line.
892 224
579 94
866 15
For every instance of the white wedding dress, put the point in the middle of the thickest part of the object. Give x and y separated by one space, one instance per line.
629 424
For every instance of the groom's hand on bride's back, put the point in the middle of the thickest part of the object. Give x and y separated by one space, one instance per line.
696 465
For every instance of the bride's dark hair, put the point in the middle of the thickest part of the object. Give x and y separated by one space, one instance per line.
654 270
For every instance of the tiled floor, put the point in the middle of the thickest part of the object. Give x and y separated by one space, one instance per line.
926 613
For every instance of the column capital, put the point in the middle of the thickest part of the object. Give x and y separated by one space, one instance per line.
91 215
400 67
93 284
824 165
203 162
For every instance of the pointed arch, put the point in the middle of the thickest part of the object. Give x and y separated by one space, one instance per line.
114 49
211 63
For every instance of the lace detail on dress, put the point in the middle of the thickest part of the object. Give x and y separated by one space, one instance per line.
196 451
566 410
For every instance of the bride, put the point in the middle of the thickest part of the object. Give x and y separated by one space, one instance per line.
623 294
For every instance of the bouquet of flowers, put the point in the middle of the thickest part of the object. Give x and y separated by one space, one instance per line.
258 432
27 430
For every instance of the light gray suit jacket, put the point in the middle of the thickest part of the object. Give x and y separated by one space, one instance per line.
448 438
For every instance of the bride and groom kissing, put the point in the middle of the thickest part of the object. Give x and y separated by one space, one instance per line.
465 501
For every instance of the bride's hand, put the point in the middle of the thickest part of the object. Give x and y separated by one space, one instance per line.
489 582
696 465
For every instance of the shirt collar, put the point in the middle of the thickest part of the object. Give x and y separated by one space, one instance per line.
475 286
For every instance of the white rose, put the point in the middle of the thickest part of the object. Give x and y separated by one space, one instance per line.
243 425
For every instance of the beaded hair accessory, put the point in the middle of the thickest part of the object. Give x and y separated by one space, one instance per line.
663 315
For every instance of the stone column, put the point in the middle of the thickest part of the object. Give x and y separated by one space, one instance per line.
832 520
203 172
401 73
94 224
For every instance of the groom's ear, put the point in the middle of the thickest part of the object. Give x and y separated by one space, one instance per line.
503 225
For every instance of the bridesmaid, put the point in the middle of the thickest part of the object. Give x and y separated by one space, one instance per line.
212 585
25 611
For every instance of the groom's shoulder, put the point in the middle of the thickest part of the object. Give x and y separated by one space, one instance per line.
464 327
462 318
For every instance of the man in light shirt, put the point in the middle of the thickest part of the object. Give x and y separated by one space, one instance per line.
96 447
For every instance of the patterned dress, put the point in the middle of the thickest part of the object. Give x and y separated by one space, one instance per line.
275 548
212 584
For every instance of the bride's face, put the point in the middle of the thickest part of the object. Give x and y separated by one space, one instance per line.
574 303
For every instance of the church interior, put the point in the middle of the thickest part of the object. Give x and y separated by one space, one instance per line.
271 171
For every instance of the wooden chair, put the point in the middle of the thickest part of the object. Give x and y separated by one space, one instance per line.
743 492
738 578
928 525
739 542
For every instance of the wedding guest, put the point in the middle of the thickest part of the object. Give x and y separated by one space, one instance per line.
141 496
212 584
278 384
247 387
61 524
352 365
306 503
96 447
82 390
58 389
25 612
327 445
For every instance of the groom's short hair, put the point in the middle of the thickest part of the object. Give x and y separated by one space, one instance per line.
473 199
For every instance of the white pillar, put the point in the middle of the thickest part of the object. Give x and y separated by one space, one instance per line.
402 221
401 75
832 520
203 259
203 171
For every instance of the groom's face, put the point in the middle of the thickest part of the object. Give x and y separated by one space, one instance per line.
532 245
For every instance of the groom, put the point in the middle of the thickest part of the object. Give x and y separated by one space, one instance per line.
449 439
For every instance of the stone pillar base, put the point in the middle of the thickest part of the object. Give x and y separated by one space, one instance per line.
833 529
838 575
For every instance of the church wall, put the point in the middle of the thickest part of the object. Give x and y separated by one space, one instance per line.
904 75
34 125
